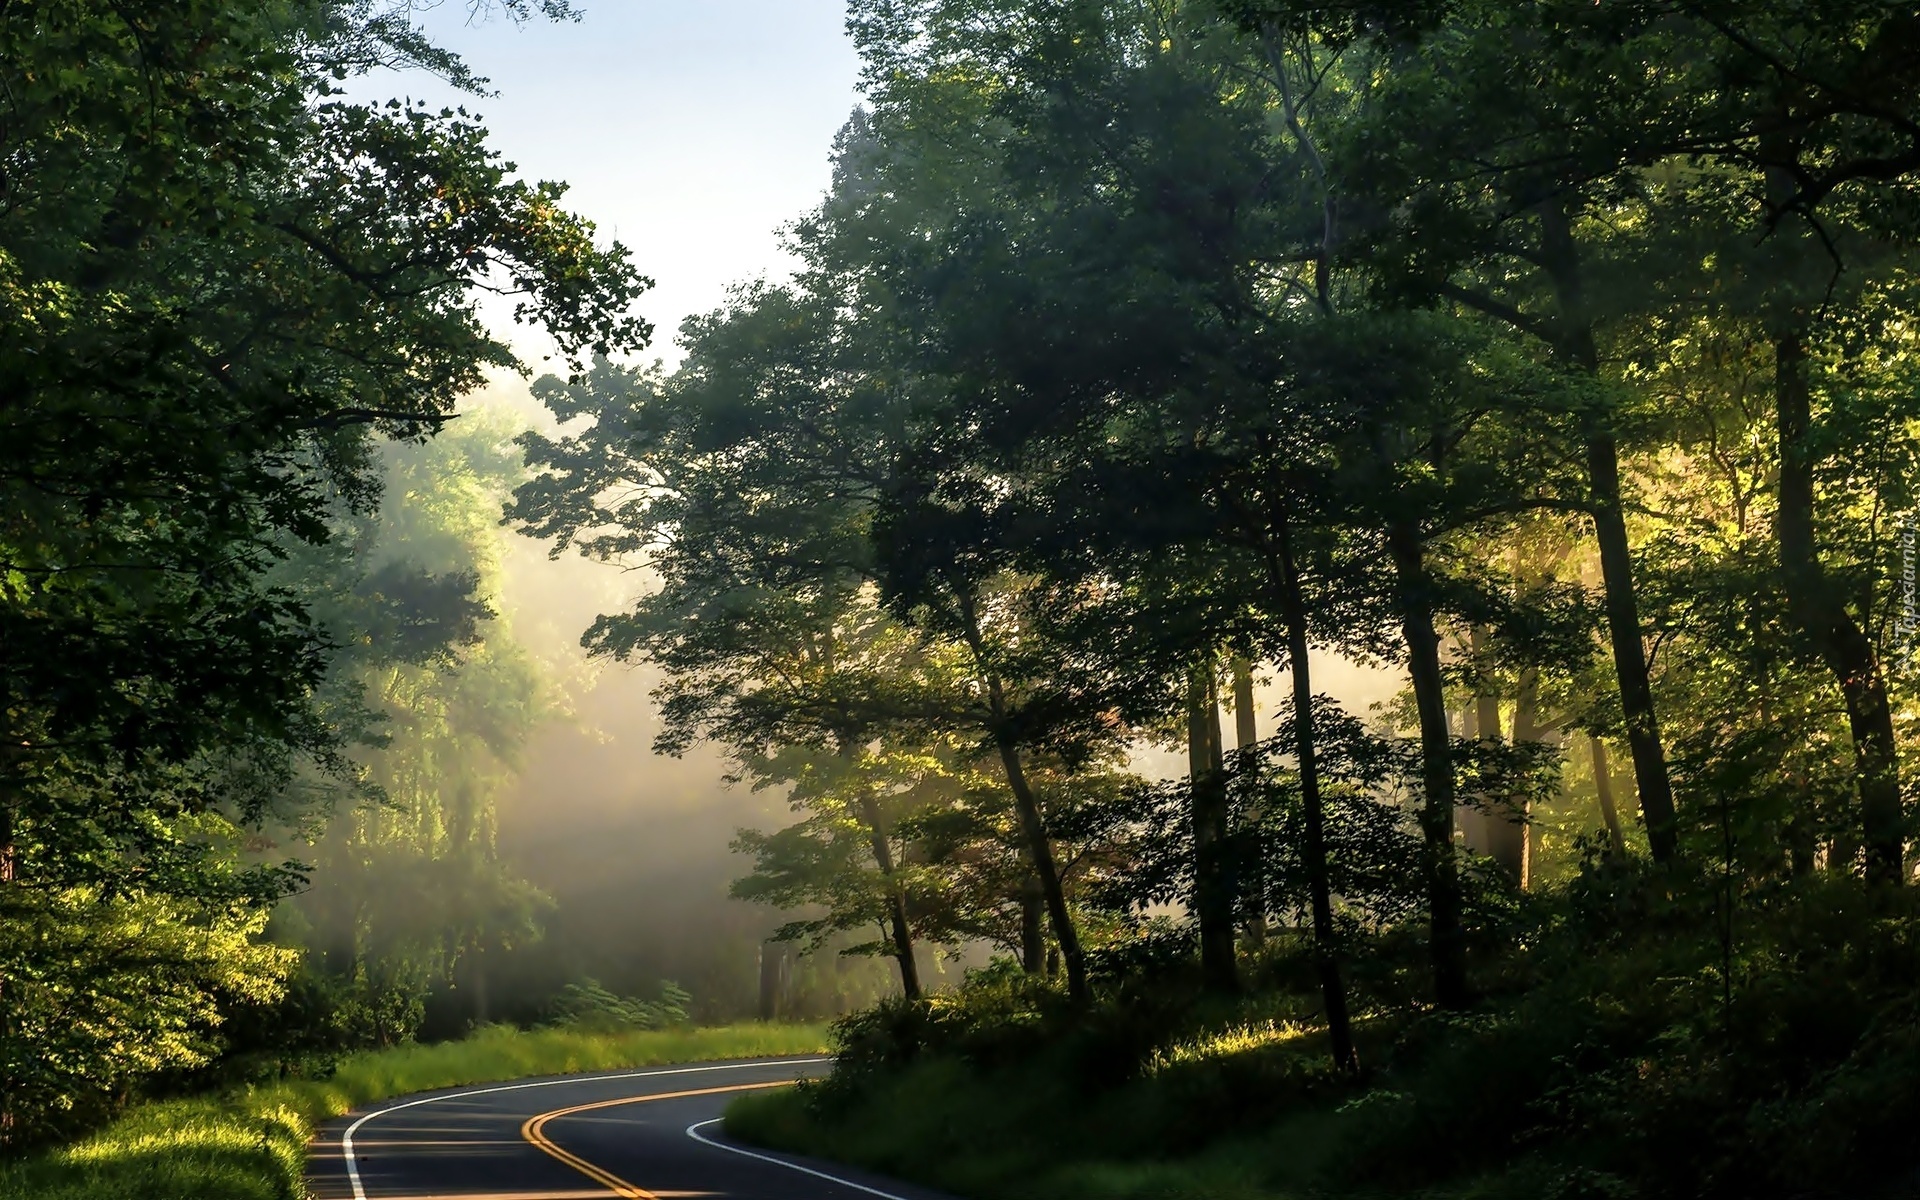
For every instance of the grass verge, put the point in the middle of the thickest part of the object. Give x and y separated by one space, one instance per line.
251 1144
1021 1132
1606 1059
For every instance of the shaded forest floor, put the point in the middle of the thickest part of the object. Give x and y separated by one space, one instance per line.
1673 1061
251 1143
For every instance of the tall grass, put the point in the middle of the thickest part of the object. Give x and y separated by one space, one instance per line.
251 1144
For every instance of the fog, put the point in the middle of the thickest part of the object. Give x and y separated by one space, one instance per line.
693 135
632 846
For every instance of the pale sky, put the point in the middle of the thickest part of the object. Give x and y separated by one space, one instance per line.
691 130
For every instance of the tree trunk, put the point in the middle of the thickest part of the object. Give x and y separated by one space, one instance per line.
1616 558
1467 817
896 896
1847 651
1630 654
1526 730
773 980
8 853
1246 730
1500 839
1333 992
1213 885
1803 843
1246 736
1446 941
1033 938
1603 784
1033 824
482 989
7 848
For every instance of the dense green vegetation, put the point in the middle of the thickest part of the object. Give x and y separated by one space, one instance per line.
1596 1063
250 1144
246 635
1557 357
1147 361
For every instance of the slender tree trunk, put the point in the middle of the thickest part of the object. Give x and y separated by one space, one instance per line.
1040 849
1213 885
896 896
1527 730
1616 558
1447 942
1333 992
773 958
1246 730
1630 654
477 982
1246 737
1467 817
1033 822
1033 937
1803 844
1502 839
1603 784
8 851
1817 607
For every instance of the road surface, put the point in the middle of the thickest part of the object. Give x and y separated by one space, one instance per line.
647 1134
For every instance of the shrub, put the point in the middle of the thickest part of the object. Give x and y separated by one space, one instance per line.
590 1007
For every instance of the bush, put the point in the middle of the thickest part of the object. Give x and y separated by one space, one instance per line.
589 1007
107 993
1653 1059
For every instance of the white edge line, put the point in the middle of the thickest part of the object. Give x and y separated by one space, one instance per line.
346 1139
693 1131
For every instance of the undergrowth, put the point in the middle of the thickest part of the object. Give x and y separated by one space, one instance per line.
1606 1060
251 1143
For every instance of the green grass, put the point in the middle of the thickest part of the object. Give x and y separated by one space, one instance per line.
251 1144
941 1124
1604 1060
1018 1133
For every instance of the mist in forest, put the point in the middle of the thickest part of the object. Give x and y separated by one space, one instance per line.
630 847
633 847
1292 597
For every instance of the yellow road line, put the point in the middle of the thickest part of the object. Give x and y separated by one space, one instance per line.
534 1131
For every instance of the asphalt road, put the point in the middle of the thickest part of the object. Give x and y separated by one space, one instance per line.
650 1134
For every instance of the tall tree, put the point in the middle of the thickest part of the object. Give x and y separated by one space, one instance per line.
222 278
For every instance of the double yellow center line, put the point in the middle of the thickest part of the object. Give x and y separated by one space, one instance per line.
534 1131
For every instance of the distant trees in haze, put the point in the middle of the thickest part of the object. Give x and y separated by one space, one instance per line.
407 890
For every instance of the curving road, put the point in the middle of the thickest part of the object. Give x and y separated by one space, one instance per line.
648 1134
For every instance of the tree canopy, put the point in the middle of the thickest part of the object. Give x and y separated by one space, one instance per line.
224 282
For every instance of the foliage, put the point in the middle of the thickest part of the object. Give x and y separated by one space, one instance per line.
1558 355
588 1007
1616 1065
105 991
409 893
222 282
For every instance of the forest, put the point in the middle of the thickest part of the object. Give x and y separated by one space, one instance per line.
1148 364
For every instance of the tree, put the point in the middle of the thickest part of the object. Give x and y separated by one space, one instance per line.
221 280
408 892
